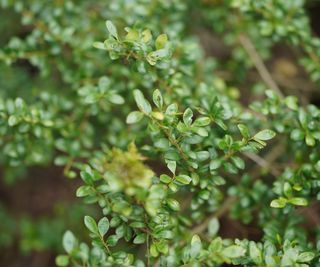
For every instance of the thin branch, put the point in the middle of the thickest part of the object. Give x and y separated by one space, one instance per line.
259 64
262 163
224 208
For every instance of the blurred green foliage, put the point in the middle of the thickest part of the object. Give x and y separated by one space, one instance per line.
121 96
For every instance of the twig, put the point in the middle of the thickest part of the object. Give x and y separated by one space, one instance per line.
224 208
258 62
276 151
262 163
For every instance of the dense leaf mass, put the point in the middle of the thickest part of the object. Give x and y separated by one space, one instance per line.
175 128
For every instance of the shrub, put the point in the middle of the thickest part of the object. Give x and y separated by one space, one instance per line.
169 142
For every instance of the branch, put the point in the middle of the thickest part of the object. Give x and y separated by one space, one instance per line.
224 208
258 62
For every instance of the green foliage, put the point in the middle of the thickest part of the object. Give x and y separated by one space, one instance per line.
158 140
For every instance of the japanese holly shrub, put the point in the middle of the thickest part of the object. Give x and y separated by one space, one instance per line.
172 146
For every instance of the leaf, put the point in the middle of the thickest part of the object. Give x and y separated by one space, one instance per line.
99 45
255 252
213 227
62 260
234 251
244 131
137 225
112 240
202 121
142 103
112 29
184 179
310 140
153 251
196 246
298 201
132 35
215 245
265 135
157 115
165 178
278 203
238 162
157 98
13 120
91 224
172 109
173 204
84 190
187 116
103 226
172 165
215 164
161 41
291 102
69 242
134 116
202 155
116 99
146 36
139 239
306 257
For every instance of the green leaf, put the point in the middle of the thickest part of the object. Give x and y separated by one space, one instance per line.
244 131
278 203
137 225
69 242
165 178
202 155
298 201
146 36
234 251
215 245
153 251
99 45
157 98
265 135
142 103
238 162
184 179
161 41
215 164
112 29
196 246
116 99
213 227
62 260
255 252
306 257
173 204
297 134
310 141
139 239
132 35
201 122
112 240
91 224
84 190
291 102
172 165
13 120
187 116
134 116
103 226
